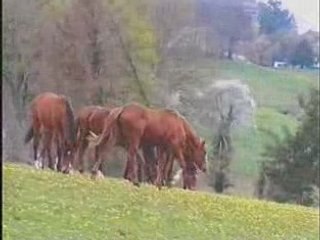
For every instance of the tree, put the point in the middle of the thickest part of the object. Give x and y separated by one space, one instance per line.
20 23
137 42
292 167
103 49
232 109
228 20
222 154
303 54
273 19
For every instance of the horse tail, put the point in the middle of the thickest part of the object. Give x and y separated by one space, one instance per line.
77 130
70 124
109 126
29 135
77 126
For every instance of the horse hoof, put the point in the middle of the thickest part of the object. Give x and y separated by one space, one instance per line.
37 164
137 184
100 175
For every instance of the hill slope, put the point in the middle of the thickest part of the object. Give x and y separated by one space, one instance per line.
275 91
47 205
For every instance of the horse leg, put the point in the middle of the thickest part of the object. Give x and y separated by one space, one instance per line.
132 154
168 168
140 167
126 171
160 168
36 141
148 155
60 153
184 179
97 161
48 147
96 156
50 160
79 156
42 158
180 157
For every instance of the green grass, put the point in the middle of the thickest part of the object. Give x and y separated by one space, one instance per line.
250 144
274 91
271 88
47 205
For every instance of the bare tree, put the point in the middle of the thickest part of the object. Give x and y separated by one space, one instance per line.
229 21
20 24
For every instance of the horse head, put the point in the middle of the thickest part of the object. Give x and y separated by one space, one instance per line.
200 155
68 156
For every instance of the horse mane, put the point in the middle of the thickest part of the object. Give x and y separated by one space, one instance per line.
112 121
70 123
190 131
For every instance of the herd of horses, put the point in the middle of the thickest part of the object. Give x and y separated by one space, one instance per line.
153 138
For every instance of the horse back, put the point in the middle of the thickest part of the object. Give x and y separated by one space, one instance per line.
49 109
97 119
166 126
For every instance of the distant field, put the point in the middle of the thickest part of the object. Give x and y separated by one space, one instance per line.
275 91
271 88
47 205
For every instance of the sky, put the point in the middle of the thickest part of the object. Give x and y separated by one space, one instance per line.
306 13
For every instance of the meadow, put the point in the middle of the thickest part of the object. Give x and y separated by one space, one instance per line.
276 93
48 205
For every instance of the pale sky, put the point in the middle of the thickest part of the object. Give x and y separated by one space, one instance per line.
306 13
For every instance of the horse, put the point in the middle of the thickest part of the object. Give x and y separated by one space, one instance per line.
165 129
53 120
84 124
90 120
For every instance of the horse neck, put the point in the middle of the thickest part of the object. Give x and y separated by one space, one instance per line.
192 139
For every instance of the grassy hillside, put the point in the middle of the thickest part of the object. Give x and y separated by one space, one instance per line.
275 91
47 205
273 88
250 144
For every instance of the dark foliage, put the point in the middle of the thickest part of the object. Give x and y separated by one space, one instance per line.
273 19
292 170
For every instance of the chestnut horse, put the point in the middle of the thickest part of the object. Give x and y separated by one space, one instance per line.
52 119
86 123
165 129
90 120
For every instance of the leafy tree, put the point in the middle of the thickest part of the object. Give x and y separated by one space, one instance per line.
292 170
273 19
303 54
137 42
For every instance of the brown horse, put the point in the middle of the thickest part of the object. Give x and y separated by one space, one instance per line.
52 119
90 120
162 128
